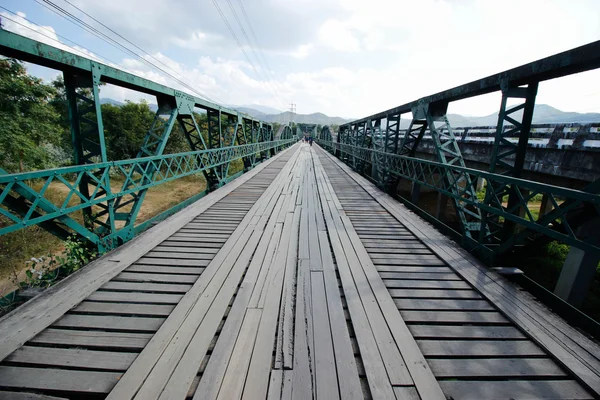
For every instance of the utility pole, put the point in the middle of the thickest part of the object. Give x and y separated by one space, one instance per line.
293 111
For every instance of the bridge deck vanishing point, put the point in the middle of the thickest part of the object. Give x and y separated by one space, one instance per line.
298 280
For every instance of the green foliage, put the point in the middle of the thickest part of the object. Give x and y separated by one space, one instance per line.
48 270
125 127
28 123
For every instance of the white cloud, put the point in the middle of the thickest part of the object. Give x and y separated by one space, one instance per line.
354 57
302 51
338 36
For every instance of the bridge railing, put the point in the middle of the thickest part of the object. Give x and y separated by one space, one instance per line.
551 218
494 217
132 175
109 216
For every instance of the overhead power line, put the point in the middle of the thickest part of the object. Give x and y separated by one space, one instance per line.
102 36
53 33
257 43
237 40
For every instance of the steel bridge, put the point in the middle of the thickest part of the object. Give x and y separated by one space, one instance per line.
303 275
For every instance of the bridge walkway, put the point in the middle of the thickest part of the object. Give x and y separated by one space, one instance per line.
297 280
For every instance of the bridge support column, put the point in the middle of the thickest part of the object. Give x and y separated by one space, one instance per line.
415 193
579 268
442 204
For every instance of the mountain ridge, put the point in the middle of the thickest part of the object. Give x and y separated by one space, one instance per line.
543 114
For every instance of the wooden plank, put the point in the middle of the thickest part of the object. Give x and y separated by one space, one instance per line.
495 367
479 348
146 287
209 385
326 379
4 395
420 373
379 383
119 308
181 375
150 371
517 390
93 339
235 377
173 374
434 293
57 379
424 284
465 332
74 358
260 364
443 304
393 272
31 318
138 324
174 262
124 297
275 385
574 350
406 393
192 244
180 256
469 317
154 278
205 250
160 269
349 382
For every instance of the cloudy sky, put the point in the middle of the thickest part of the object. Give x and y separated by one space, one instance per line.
347 58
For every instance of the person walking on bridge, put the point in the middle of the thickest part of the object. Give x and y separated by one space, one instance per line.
310 140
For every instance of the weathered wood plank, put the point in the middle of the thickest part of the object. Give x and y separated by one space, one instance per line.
479 348
174 262
465 332
350 387
235 377
154 278
161 269
146 287
420 373
468 317
326 379
517 390
574 350
496 367
74 358
443 304
4 395
434 294
93 339
424 284
119 308
124 297
57 379
137 324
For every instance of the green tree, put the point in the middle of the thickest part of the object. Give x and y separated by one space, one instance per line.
28 124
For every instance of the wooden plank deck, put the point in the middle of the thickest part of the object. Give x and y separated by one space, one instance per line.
296 281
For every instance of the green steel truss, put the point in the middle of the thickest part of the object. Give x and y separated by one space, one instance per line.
140 173
556 224
109 216
375 147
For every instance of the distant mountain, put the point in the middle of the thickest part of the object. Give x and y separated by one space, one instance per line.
315 118
153 107
259 108
284 117
542 114
111 101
